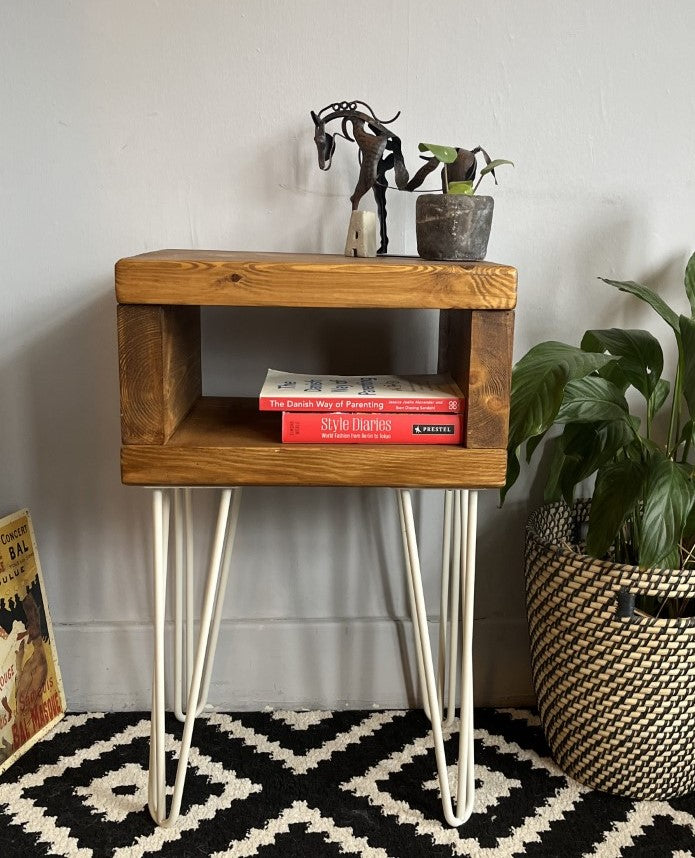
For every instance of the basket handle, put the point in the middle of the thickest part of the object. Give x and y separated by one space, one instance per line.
626 603
625 607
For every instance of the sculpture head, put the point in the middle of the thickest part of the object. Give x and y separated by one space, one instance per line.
325 143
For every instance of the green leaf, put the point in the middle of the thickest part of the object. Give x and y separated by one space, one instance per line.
446 154
613 372
641 358
689 526
461 188
553 491
492 165
618 488
659 396
687 437
656 302
592 399
687 431
577 453
532 444
513 471
690 283
618 436
668 496
583 446
687 331
671 561
534 404
538 382
579 439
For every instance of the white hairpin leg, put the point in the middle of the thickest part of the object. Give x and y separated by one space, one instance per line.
458 579
411 602
183 601
198 671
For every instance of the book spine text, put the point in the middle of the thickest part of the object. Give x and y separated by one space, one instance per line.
412 405
371 428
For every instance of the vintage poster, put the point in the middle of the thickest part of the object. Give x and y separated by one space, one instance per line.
31 691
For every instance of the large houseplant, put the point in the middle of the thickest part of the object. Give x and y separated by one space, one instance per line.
642 506
456 223
611 606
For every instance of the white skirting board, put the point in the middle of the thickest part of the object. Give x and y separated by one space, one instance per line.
320 664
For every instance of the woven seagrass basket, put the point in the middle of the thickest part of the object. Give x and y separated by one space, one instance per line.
615 688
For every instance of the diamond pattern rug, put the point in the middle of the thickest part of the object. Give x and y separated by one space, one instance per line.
363 783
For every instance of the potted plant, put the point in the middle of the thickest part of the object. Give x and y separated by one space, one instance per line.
610 582
456 223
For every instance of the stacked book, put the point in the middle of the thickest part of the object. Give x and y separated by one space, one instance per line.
361 409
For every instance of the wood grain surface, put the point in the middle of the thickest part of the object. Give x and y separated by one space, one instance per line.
229 442
229 278
159 369
476 348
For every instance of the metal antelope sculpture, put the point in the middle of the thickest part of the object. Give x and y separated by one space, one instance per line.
379 151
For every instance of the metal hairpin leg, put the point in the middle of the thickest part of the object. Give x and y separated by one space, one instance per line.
458 579
183 599
196 675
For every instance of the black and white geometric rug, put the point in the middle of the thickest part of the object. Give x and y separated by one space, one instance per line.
285 784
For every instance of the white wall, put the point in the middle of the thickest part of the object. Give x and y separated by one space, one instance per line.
131 126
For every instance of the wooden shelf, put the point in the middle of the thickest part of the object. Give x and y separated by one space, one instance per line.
238 279
227 441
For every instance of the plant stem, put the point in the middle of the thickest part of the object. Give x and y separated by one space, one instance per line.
633 522
620 549
672 437
446 180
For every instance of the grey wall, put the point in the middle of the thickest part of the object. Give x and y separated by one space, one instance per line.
131 126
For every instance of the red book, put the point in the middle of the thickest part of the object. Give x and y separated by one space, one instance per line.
429 394
337 427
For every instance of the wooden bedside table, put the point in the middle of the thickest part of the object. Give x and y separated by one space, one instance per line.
174 438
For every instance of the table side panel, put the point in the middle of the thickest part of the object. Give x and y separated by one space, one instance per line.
476 348
159 369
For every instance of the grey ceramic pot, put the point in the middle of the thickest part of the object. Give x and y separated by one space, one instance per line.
453 226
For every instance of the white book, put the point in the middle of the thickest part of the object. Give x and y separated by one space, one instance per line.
287 391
